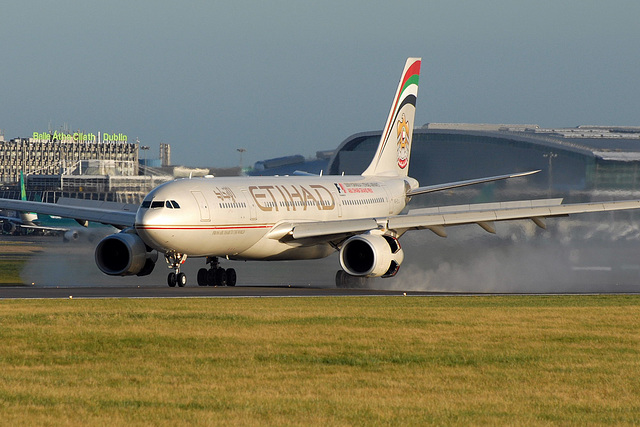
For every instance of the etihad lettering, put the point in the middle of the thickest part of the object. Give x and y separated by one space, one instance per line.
292 197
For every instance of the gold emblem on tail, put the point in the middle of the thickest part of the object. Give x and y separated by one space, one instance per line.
403 143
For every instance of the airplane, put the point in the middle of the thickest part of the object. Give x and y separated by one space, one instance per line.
299 217
29 221
70 229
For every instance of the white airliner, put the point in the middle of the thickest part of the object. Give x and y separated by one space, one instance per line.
291 218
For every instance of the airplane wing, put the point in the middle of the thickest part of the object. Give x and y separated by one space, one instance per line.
437 219
116 218
20 223
458 184
8 218
43 227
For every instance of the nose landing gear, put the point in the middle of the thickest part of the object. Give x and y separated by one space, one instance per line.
216 275
174 261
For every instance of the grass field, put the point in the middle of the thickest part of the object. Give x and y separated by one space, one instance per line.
321 361
14 253
10 271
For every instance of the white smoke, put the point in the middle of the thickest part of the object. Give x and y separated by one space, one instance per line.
70 263
585 256
576 257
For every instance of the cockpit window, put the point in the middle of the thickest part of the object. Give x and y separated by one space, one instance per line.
153 204
171 204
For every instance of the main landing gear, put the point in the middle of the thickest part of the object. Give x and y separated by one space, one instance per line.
216 275
345 280
175 260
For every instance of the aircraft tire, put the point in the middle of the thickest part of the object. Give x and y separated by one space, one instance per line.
221 277
171 280
181 280
340 279
211 277
202 277
346 281
231 277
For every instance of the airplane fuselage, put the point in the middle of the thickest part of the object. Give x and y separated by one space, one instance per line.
239 217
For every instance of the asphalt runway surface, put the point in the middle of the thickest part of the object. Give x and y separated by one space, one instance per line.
101 292
32 292
468 263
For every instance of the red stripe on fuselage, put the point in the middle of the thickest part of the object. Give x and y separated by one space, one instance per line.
202 227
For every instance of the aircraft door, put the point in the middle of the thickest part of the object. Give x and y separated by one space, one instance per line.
389 199
251 204
202 205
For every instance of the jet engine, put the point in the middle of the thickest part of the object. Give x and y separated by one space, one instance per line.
371 255
125 254
8 227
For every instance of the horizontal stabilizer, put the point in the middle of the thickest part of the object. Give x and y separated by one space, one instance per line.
458 184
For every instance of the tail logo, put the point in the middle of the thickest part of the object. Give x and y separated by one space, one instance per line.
403 143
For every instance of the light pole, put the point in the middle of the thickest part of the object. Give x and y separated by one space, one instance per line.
241 151
550 155
144 148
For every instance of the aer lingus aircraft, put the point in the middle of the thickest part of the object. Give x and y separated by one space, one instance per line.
297 217
22 221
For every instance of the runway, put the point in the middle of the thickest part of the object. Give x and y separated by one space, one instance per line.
34 292
105 292
482 266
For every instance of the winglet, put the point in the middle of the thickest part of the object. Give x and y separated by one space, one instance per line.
394 149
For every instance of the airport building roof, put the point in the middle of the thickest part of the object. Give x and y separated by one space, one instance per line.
618 143
581 158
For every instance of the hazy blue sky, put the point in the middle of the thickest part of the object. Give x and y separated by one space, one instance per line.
286 77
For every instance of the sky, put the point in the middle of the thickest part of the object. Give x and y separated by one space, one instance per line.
293 77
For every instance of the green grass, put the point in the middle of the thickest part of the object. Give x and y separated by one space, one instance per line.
321 361
10 271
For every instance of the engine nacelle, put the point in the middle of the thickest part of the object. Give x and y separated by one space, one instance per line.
371 255
8 227
125 254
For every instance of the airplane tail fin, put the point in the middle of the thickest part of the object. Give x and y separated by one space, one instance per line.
26 217
393 152
23 191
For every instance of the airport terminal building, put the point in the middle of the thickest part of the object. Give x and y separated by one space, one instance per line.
92 168
582 161
44 157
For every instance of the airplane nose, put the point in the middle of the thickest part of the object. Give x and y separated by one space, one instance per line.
148 227
141 218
